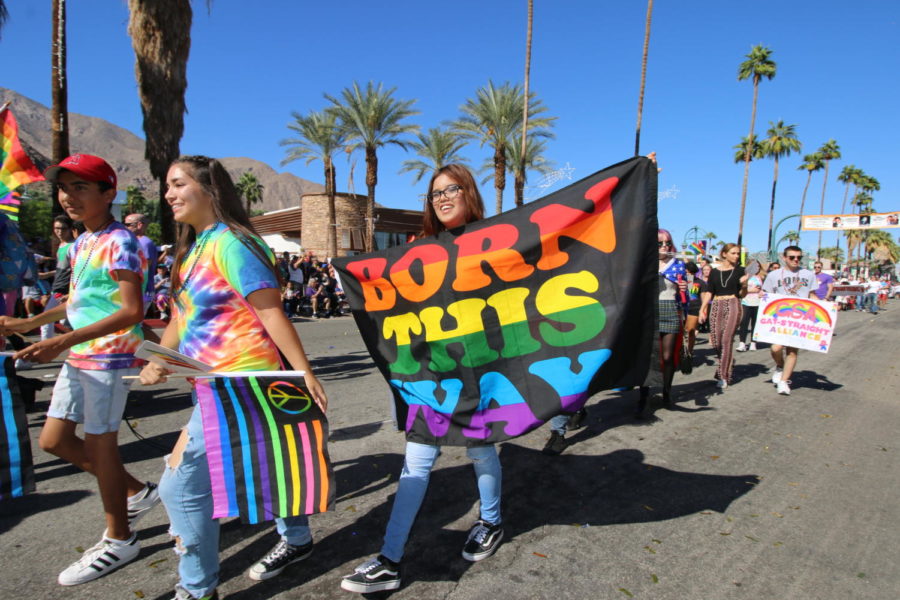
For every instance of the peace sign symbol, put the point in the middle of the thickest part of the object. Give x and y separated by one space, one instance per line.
281 393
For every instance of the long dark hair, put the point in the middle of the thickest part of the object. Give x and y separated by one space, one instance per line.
431 225
227 207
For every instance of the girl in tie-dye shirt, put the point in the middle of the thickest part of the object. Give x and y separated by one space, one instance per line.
227 312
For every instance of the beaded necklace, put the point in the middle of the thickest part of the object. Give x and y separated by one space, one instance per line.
197 251
95 236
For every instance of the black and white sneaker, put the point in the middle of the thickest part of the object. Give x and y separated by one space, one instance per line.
484 539
142 503
183 594
106 556
279 557
375 575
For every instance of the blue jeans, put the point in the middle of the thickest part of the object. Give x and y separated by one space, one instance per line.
872 302
186 493
559 424
420 459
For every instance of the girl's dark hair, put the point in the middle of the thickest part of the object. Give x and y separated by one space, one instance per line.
431 225
63 220
227 208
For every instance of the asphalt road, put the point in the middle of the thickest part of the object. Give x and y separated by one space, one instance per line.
745 494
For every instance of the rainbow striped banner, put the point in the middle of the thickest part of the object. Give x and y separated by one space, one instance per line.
267 446
10 205
698 248
15 167
16 467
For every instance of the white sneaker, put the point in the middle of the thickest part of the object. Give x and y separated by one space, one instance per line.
107 555
742 347
721 384
784 388
142 502
752 346
776 376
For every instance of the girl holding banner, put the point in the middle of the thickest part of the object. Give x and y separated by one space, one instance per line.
226 312
724 290
452 201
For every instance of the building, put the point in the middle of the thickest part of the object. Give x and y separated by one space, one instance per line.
308 224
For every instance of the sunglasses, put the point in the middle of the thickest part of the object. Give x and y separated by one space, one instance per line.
794 256
664 244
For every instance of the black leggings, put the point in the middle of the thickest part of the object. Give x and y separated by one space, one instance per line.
748 322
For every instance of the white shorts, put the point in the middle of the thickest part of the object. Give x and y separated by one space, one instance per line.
94 398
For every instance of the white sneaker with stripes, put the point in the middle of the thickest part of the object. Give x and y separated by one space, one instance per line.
107 555
142 503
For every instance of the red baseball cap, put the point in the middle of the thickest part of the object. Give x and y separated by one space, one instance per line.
91 168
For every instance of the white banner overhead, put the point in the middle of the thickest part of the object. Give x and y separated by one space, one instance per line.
840 222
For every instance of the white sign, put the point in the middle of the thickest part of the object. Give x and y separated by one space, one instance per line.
797 322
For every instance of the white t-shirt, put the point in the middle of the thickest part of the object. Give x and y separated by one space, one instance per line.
873 287
790 283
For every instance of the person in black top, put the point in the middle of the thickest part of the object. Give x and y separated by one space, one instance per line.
723 296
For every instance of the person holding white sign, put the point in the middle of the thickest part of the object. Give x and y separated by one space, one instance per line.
790 280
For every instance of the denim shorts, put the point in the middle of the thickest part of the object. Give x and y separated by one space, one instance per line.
94 398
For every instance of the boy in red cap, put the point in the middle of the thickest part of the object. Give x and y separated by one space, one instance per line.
105 308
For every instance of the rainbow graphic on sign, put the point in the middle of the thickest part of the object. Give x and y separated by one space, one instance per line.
800 309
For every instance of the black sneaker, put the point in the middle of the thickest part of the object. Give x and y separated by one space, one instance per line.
555 445
280 556
577 420
376 575
483 541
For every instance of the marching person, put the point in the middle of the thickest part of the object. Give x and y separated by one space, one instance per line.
452 201
226 312
723 298
790 280
104 307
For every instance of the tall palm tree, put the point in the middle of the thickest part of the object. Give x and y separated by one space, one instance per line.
741 150
160 33
4 16
523 151
811 163
438 147
519 165
250 189
854 237
782 141
319 138
493 116
372 118
849 175
832 253
640 111
758 65
881 240
829 151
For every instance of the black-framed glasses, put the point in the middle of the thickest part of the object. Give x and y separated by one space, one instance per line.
449 193
794 256
133 224
665 244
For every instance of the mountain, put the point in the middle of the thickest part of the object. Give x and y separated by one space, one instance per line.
125 152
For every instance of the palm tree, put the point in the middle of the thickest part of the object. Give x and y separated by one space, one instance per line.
250 189
438 147
160 33
782 141
881 240
319 137
849 175
811 163
523 151
4 16
493 116
854 237
372 118
832 253
520 165
59 92
758 65
640 111
740 150
829 151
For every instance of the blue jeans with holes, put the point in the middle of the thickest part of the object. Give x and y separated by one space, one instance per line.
420 459
560 423
186 493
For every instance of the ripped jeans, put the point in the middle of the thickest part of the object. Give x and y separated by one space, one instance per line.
420 459
186 493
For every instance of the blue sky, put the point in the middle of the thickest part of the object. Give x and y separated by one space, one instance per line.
837 78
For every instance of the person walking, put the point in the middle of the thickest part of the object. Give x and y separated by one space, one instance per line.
723 296
749 311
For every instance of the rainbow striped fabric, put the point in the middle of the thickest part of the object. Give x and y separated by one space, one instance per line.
10 205
15 167
16 467
698 247
267 446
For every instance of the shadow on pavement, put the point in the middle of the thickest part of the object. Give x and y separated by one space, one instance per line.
17 509
347 366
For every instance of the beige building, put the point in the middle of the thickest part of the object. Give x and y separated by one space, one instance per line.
309 224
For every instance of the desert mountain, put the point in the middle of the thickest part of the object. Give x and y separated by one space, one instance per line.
125 152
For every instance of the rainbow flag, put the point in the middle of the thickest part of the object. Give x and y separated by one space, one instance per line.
10 205
698 247
15 167
16 467
267 446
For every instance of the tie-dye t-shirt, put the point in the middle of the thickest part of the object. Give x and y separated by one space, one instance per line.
216 324
94 295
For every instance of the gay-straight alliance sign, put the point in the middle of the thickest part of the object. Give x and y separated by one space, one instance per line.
487 331
798 322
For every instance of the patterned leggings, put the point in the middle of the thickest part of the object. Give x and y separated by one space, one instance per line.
724 317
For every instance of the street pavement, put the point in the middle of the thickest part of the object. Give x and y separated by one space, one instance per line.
742 494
